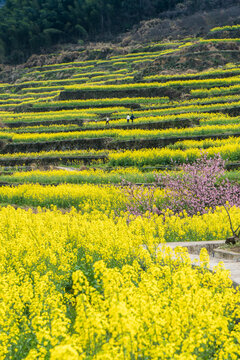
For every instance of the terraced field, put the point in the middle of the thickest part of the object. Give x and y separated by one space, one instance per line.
64 119
66 141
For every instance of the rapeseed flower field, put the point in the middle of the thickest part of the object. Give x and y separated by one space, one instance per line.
77 286
94 155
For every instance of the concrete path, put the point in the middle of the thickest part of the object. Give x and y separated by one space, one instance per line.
194 249
65 168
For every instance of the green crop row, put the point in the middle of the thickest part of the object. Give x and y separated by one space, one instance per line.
152 116
227 27
104 101
41 89
206 119
218 40
62 69
203 80
202 101
60 154
43 128
138 158
96 176
204 144
192 83
119 134
117 116
50 83
216 91
88 114
132 175
140 101
73 63
197 75
153 157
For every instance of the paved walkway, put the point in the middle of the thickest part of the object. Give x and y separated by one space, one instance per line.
194 250
65 168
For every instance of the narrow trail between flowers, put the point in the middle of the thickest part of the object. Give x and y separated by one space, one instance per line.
230 260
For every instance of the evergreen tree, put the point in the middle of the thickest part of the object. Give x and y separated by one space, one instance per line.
27 26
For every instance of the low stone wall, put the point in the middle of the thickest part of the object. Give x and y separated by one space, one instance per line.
183 123
17 124
76 144
83 106
50 160
162 142
103 143
105 93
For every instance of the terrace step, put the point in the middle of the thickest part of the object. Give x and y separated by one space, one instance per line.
228 166
199 59
232 110
51 160
58 145
194 77
103 143
109 93
28 108
16 124
183 123
163 142
226 255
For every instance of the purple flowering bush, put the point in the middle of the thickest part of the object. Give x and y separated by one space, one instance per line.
198 187
140 199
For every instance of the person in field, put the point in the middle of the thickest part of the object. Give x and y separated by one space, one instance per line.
132 117
128 118
107 120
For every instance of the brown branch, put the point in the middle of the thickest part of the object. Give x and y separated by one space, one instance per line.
234 233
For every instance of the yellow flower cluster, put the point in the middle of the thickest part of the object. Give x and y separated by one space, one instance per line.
202 74
219 40
88 286
229 150
167 156
103 101
215 90
90 176
58 115
111 200
124 134
84 197
152 102
60 154
87 280
204 144
193 83
227 27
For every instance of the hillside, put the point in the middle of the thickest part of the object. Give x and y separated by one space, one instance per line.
90 199
55 107
29 27
182 25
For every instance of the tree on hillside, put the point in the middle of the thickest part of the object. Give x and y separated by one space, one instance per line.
27 26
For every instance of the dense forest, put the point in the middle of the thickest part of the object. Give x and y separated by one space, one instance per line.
28 26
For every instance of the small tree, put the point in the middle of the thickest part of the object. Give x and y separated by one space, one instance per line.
195 189
200 186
